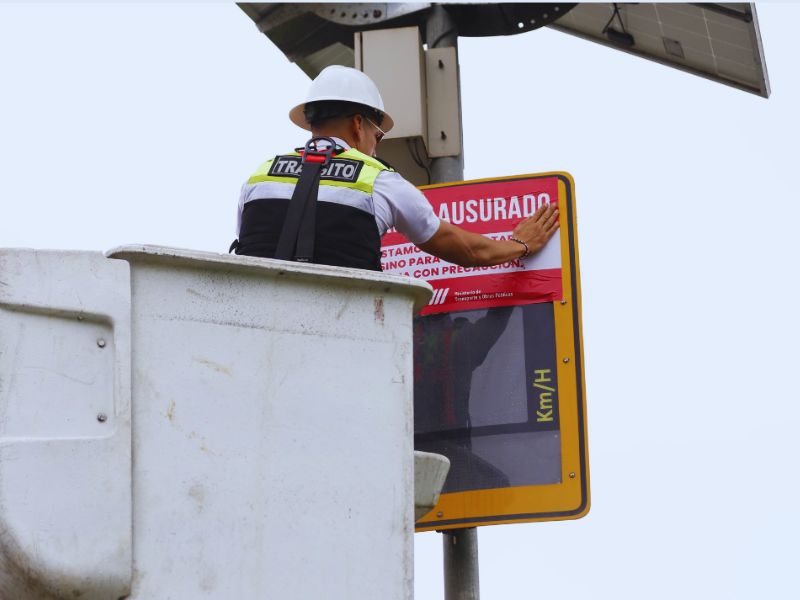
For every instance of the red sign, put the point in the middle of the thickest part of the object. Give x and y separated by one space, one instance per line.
492 208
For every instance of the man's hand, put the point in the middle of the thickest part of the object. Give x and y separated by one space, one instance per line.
468 249
537 229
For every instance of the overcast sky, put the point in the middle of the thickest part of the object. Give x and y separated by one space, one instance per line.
139 123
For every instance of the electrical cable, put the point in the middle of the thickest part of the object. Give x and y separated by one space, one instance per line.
418 159
415 156
617 14
441 37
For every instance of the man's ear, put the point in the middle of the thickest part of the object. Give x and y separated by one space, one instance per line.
357 128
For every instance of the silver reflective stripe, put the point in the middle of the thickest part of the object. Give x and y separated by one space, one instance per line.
327 193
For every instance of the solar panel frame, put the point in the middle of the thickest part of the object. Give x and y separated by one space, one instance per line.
719 42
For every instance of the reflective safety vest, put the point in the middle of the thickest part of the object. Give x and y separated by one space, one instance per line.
346 232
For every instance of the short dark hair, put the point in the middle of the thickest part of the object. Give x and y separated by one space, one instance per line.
318 112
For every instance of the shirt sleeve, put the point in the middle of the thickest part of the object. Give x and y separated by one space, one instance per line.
399 204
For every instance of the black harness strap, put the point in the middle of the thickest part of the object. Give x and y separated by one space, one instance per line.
296 241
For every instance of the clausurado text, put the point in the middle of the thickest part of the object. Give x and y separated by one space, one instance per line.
485 210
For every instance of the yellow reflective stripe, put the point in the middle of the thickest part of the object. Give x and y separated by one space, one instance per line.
370 170
261 172
357 155
361 186
366 178
262 178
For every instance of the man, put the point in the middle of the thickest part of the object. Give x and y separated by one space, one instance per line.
360 198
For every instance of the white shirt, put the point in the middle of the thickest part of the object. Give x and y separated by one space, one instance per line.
396 203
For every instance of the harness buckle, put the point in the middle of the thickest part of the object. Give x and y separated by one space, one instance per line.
313 153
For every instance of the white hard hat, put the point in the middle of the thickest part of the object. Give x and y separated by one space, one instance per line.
344 84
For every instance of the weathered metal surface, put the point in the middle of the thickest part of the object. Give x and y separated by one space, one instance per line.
273 428
65 428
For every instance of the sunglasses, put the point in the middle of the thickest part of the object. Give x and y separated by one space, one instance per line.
381 132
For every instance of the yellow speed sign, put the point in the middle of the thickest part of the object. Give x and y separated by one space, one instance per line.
499 385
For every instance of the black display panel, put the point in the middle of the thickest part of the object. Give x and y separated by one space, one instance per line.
485 395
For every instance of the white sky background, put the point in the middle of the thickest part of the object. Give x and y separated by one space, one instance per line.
139 123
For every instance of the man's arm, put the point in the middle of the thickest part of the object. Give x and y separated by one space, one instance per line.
468 249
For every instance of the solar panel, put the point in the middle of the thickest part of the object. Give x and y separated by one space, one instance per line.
721 42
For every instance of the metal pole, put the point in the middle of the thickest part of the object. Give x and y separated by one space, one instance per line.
461 580
441 32
460 546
